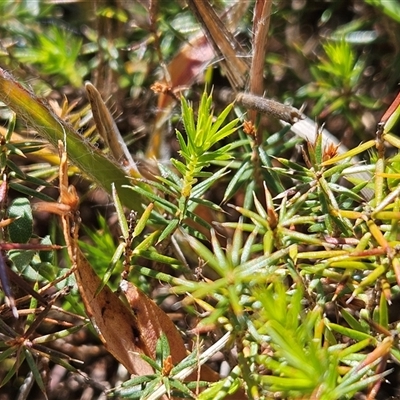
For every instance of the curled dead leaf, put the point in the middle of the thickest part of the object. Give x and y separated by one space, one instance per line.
115 323
153 322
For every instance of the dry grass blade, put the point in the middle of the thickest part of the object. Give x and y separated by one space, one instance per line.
233 56
261 22
108 130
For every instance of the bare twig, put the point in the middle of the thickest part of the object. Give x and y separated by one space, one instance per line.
270 107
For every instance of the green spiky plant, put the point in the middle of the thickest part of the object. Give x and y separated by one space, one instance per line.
281 249
300 276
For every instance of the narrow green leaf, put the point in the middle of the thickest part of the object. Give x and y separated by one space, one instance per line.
237 245
152 362
355 348
206 255
390 8
111 266
247 248
153 255
351 333
180 166
123 224
162 349
30 192
383 312
255 217
35 371
353 323
148 241
169 229
181 387
170 207
226 131
170 175
142 223
58 335
137 380
11 126
221 259
221 119
276 383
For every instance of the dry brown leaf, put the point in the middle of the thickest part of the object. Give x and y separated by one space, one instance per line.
155 322
114 322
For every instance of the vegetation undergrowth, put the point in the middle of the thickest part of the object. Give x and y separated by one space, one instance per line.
285 263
